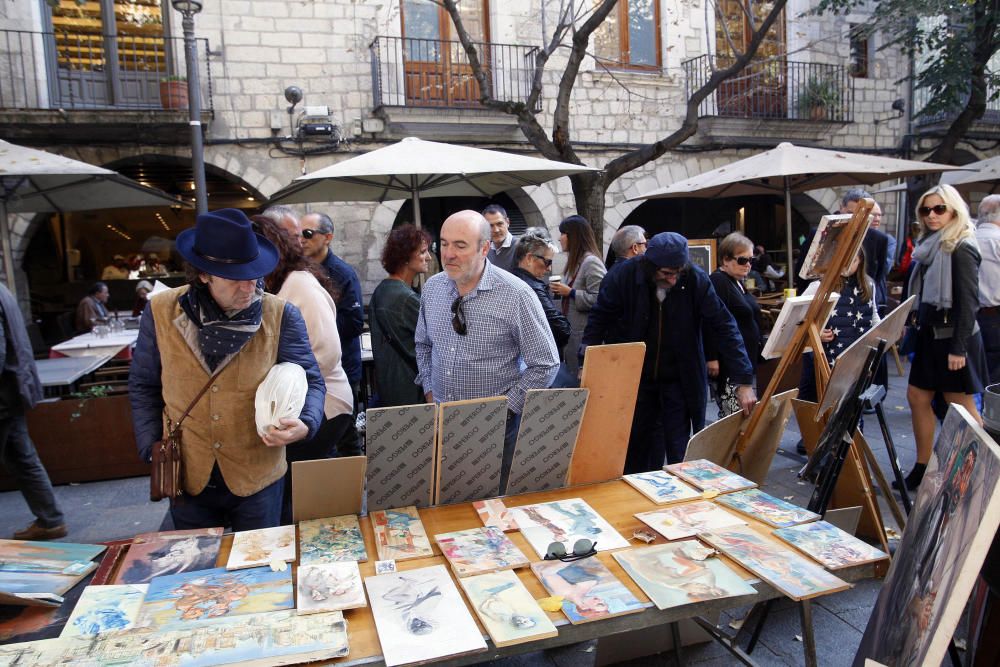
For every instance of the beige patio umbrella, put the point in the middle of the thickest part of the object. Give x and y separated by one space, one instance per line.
415 168
789 168
33 181
982 176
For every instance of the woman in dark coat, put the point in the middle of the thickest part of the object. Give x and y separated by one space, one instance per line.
736 255
532 261
393 312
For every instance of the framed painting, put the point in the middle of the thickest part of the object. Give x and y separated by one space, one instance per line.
702 253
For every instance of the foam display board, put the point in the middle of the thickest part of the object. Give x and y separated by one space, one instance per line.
400 444
550 424
470 449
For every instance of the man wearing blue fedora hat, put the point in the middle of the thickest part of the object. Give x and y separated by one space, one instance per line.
222 331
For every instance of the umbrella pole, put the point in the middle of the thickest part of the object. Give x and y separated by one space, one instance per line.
788 232
8 253
415 195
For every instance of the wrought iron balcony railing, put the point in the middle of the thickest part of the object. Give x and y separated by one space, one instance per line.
414 72
921 96
61 70
775 88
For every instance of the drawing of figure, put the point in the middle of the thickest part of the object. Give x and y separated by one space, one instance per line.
494 607
321 584
399 531
416 601
678 571
574 582
199 598
176 556
582 521
558 534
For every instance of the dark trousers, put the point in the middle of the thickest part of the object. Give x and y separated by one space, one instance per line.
989 325
509 440
20 460
321 446
216 505
348 443
661 427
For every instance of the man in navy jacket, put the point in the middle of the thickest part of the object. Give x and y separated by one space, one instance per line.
661 299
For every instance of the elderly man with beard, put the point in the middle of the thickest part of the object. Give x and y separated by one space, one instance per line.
661 299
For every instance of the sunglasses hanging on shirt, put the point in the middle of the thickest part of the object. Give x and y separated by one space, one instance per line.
458 322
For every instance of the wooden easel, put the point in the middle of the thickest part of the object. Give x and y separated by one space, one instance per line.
808 335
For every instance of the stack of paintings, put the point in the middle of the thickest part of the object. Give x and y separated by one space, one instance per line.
589 591
480 550
766 508
334 540
254 548
708 476
105 609
689 519
506 608
329 587
399 534
828 545
661 487
565 521
172 552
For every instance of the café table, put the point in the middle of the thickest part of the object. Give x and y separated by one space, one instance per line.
118 344
66 371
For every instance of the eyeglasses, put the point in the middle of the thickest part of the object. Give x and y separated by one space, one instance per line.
940 209
309 233
545 260
742 261
582 548
642 243
458 322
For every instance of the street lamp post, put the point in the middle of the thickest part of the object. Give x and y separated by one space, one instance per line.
188 8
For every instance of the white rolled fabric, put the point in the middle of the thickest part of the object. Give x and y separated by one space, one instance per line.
280 396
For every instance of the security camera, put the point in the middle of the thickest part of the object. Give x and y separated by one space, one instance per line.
293 94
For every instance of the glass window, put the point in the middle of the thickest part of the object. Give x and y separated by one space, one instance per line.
630 36
860 45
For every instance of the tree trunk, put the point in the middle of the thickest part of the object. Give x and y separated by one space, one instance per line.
588 192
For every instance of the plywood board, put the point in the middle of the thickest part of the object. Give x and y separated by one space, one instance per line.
755 461
611 373
314 497
400 445
470 449
550 424
717 441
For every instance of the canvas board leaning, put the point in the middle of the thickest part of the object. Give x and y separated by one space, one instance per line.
792 313
830 234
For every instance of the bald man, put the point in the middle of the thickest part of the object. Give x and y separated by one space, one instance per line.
477 325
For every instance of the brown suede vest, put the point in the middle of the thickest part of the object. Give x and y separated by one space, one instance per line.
220 427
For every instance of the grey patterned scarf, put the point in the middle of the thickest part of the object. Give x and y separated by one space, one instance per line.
931 279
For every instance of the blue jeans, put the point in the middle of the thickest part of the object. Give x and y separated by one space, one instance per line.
216 505
19 458
661 427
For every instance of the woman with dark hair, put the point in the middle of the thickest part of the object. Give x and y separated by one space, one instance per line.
582 282
305 284
393 309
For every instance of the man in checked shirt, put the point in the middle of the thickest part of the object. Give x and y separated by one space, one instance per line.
481 331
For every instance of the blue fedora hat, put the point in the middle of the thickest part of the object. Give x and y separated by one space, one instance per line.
222 243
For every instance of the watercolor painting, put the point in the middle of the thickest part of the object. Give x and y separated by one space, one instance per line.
708 476
764 507
176 600
254 548
105 609
828 237
681 573
792 574
172 552
830 546
589 591
661 487
689 519
19 583
480 550
399 534
332 540
329 587
947 536
420 616
48 557
493 512
506 608
277 638
565 521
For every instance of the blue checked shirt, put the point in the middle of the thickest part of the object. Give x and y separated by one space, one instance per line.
507 331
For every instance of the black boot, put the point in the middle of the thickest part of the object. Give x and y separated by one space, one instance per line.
914 478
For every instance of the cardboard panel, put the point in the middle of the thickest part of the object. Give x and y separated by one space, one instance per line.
314 497
611 373
401 456
717 441
471 449
549 428
763 443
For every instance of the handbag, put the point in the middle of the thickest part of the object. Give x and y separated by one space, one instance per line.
167 471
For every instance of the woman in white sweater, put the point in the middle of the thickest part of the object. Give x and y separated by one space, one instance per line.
305 284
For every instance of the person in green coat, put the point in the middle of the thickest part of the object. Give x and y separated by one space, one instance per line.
394 308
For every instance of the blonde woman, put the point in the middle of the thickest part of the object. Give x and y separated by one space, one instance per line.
949 353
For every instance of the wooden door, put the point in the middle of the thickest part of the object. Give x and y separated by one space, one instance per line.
761 89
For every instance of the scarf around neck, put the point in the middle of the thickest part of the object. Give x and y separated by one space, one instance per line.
931 280
221 334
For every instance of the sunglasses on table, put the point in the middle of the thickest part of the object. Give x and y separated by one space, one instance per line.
545 260
309 233
458 322
940 209
582 548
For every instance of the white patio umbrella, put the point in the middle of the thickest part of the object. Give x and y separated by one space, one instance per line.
789 168
982 176
414 168
33 181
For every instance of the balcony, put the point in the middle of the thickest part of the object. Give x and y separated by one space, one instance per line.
930 126
86 87
425 87
799 100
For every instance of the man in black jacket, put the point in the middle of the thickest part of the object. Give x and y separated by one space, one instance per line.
661 299
532 260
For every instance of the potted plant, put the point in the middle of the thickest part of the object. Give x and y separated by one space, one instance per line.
818 95
174 92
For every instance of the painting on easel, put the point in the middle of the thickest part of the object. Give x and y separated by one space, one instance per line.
829 235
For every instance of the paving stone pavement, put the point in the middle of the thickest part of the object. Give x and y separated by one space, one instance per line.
104 511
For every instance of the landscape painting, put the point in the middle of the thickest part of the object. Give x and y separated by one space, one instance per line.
399 534
588 589
48 557
676 574
492 512
329 587
480 550
689 519
176 600
420 616
764 507
506 608
105 609
254 548
565 521
661 487
830 546
333 540
172 552
708 476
